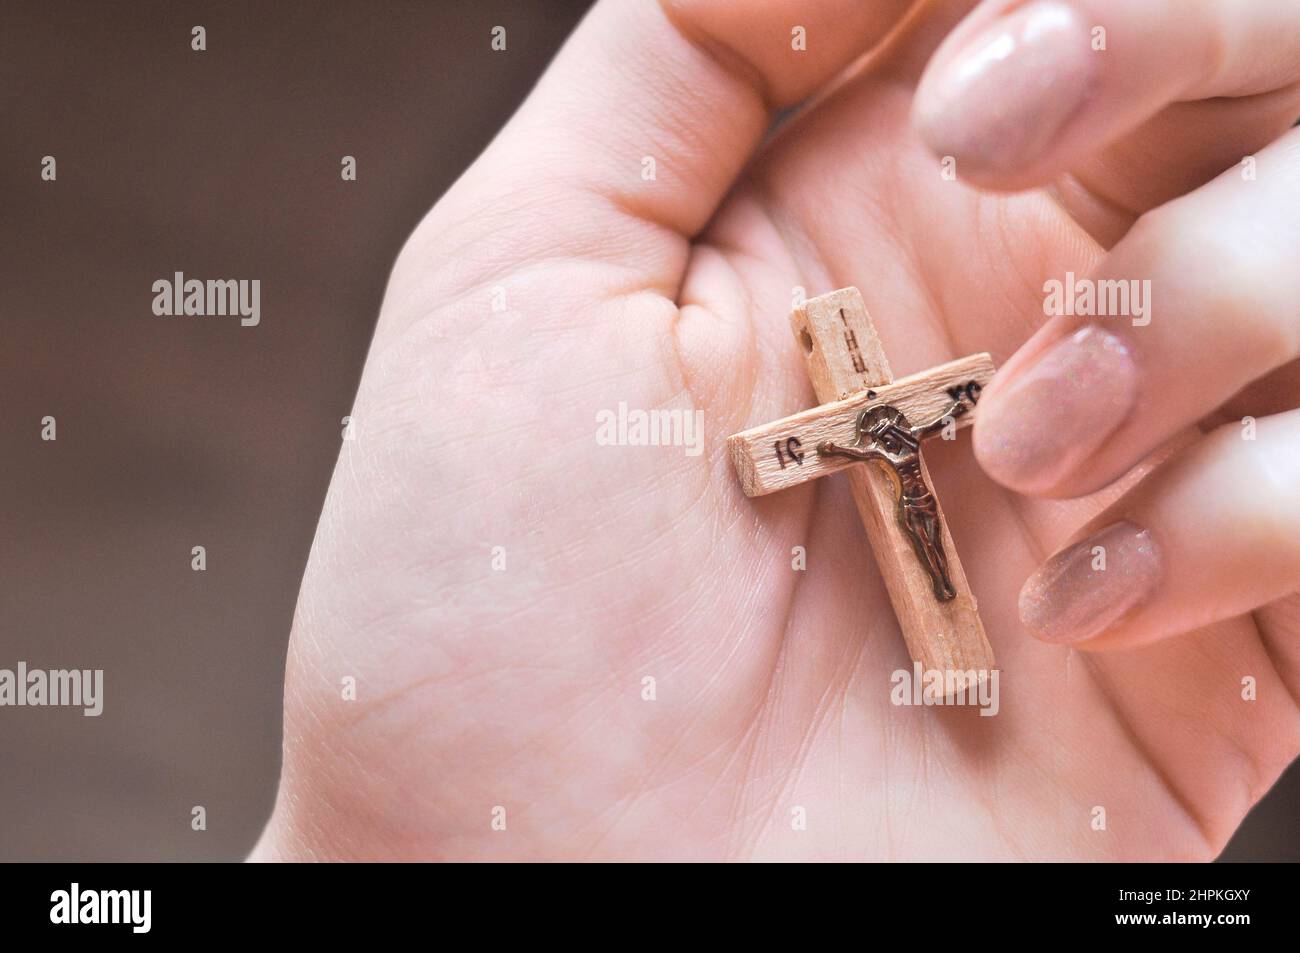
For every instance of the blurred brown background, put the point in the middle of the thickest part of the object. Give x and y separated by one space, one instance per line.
175 432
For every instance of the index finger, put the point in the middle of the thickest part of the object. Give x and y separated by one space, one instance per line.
1020 93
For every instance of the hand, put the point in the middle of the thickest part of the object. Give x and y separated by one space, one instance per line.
503 588
1129 136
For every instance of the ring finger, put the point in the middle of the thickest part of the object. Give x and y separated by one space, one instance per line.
1213 534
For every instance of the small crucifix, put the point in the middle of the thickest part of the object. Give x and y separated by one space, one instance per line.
866 416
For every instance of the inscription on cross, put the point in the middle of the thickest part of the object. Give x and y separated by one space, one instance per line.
868 417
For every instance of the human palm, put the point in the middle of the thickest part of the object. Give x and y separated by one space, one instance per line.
613 644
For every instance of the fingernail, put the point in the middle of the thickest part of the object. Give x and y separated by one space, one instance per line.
1001 98
1086 588
1055 413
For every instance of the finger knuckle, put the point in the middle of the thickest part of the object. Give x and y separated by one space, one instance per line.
1226 285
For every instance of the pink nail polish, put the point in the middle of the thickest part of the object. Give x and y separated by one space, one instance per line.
1058 411
1086 588
998 102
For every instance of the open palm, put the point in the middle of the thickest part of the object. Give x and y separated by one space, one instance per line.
608 651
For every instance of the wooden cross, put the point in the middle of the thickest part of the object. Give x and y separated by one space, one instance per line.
868 416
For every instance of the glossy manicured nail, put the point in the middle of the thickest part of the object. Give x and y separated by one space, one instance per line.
1086 588
1052 415
997 102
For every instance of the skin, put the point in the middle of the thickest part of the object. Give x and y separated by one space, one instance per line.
523 688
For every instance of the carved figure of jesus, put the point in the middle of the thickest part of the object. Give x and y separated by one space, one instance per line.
885 436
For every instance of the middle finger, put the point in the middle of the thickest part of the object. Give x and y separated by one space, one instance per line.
1207 291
